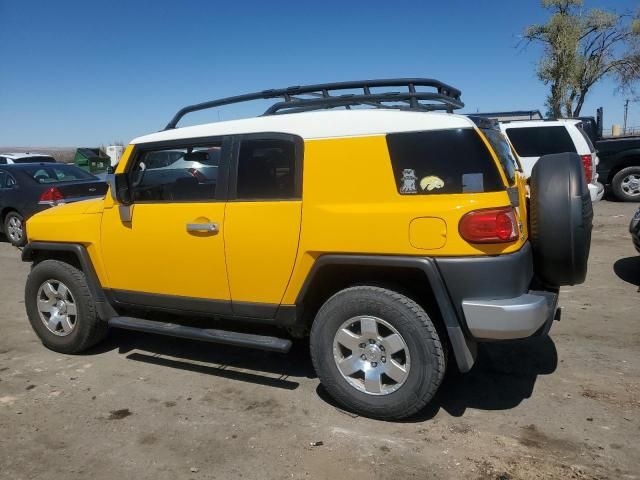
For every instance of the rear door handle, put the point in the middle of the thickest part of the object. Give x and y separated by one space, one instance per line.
202 227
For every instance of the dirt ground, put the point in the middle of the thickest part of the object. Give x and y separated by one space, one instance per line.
146 407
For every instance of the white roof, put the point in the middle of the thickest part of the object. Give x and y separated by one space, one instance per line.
540 123
15 155
321 124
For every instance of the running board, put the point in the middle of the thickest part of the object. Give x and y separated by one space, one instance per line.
261 342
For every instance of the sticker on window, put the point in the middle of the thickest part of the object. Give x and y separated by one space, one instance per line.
431 183
472 183
408 181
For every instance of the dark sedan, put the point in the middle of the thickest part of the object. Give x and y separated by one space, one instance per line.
634 228
26 189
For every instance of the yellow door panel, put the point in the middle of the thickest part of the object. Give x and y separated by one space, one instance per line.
261 243
156 253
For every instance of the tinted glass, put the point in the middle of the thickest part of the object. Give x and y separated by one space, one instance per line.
442 161
266 169
3 161
177 174
3 180
539 141
57 174
38 159
502 149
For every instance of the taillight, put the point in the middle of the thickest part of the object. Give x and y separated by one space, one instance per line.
52 196
587 163
492 225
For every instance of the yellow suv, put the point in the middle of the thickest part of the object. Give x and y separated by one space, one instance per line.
351 212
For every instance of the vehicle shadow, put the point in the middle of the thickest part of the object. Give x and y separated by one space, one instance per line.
503 376
628 270
243 364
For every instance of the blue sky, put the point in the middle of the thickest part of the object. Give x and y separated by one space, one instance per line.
93 72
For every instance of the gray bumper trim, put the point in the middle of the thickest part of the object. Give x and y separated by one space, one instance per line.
509 318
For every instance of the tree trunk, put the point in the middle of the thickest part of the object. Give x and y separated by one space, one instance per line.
580 103
555 101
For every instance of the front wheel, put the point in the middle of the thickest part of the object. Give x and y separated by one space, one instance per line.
626 184
14 229
377 352
61 309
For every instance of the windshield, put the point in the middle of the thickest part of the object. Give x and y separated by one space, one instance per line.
504 153
57 174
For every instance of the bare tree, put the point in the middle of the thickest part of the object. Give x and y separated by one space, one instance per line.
583 47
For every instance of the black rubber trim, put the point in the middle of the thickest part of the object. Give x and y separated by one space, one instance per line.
171 302
500 276
238 339
103 306
281 315
463 349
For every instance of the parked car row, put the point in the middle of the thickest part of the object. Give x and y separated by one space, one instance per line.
28 188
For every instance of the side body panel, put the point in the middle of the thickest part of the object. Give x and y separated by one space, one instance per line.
351 205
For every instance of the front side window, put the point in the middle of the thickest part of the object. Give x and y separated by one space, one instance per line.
504 153
177 174
3 161
267 170
442 161
539 141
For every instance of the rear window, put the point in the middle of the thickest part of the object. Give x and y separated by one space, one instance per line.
503 150
37 159
57 174
442 161
539 141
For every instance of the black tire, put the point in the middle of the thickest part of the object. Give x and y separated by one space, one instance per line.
620 186
16 239
561 217
88 329
426 351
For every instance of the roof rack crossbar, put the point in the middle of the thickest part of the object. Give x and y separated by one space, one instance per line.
448 97
412 101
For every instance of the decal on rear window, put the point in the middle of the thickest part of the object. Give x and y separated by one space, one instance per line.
442 161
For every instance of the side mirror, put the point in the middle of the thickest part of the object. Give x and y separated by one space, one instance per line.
120 189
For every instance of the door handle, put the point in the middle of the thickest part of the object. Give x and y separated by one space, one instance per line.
202 227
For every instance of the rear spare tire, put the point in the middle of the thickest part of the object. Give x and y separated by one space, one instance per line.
561 216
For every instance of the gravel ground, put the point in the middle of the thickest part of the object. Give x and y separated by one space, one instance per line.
146 407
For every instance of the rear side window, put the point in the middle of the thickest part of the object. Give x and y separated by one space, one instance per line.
442 161
503 150
57 174
3 161
266 169
539 141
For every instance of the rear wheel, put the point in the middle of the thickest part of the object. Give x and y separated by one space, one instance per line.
377 352
61 309
14 229
626 184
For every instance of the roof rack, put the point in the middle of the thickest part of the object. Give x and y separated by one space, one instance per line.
323 96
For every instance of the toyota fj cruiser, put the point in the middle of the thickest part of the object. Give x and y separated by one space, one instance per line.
390 235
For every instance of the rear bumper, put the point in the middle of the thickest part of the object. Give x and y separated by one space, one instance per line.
596 190
510 318
496 296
